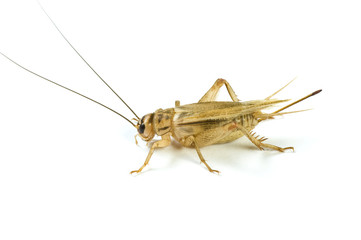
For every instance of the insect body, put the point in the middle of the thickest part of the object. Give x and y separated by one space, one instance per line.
209 122
200 124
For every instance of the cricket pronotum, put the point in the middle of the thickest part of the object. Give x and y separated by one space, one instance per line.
200 124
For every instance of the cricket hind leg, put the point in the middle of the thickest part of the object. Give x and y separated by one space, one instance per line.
211 94
280 149
259 141
164 142
192 139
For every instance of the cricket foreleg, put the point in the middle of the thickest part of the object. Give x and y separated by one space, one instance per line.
164 142
200 155
259 141
211 94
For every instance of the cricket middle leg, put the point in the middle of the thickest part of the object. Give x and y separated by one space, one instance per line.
211 94
192 139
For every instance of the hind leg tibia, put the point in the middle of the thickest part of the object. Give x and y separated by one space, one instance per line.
259 141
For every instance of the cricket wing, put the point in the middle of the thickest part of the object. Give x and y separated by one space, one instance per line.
218 111
193 119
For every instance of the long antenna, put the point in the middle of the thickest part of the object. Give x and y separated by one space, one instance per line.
67 88
85 60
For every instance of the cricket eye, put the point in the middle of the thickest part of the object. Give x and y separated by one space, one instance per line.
141 128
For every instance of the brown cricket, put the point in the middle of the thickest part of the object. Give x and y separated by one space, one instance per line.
200 124
210 122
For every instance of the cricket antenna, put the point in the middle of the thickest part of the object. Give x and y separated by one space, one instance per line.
67 88
85 60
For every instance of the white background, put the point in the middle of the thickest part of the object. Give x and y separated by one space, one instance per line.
65 162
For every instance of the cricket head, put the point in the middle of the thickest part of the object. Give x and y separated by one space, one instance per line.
145 127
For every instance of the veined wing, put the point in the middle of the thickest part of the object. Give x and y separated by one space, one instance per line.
198 113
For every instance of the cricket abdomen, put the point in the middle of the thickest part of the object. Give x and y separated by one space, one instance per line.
215 132
247 121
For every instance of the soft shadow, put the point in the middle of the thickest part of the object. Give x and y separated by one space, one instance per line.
240 154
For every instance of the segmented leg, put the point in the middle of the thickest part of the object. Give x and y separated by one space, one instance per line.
164 142
201 156
177 103
259 141
266 145
211 94
135 138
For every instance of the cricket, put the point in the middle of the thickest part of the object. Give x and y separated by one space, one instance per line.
196 125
